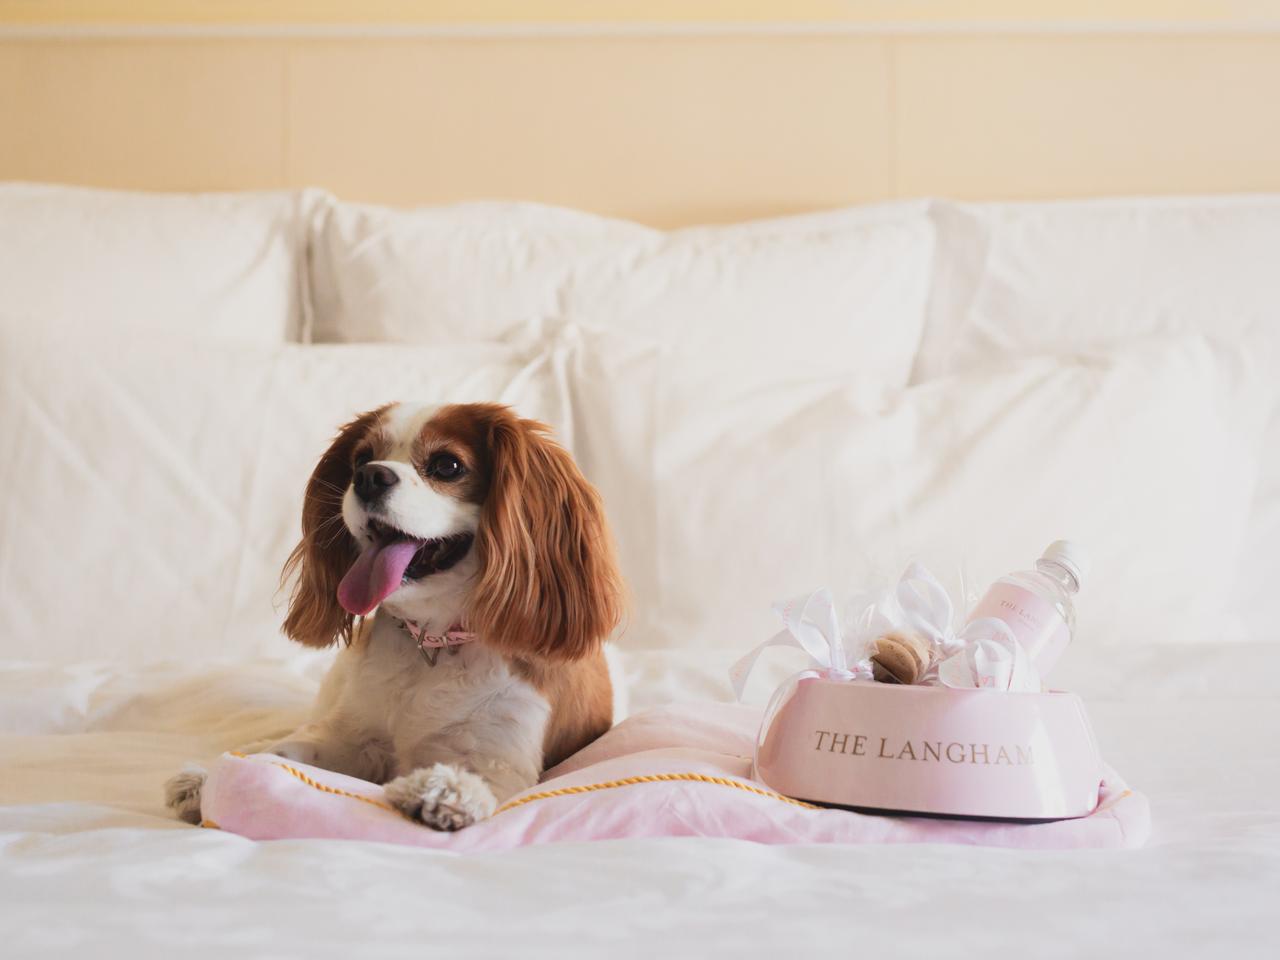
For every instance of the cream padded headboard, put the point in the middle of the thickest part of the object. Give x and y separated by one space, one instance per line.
668 127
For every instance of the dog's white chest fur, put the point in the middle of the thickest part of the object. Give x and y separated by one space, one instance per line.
411 713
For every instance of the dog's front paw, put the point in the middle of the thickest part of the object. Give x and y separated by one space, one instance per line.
443 797
182 793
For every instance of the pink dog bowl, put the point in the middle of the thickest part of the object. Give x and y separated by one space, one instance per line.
932 750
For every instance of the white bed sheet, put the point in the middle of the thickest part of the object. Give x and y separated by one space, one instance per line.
91 866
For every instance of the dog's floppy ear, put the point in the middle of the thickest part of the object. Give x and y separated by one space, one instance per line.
326 551
548 584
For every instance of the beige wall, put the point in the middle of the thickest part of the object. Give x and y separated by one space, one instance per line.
663 126
435 12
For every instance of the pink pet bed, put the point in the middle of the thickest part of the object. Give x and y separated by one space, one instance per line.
682 771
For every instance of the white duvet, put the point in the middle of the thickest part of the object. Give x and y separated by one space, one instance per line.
91 865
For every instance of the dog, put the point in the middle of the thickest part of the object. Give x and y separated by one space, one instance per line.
484 557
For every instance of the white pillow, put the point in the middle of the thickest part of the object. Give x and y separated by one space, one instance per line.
221 266
738 308
152 491
1145 455
1014 280
464 272
1019 279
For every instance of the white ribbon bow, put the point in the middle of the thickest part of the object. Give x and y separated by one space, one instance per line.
809 623
985 653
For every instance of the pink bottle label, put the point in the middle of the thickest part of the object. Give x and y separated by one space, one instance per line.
1035 622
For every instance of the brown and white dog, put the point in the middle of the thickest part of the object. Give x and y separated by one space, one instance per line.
486 556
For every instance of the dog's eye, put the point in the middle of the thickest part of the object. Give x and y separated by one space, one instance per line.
361 458
444 466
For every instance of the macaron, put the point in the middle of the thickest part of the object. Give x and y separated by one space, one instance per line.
899 658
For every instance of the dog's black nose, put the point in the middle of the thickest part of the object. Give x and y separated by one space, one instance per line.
373 480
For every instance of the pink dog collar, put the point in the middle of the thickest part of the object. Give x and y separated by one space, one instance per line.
430 645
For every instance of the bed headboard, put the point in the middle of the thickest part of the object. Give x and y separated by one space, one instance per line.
669 123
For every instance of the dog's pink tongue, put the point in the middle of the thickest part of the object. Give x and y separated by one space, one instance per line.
375 574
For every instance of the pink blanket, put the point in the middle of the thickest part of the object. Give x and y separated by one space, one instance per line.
672 772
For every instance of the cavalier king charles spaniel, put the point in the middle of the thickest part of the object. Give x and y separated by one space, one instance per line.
483 556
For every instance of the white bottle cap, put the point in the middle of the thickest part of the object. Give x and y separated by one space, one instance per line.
1070 555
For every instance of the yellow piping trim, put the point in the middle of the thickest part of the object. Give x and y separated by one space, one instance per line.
652 778
324 788
559 792
209 825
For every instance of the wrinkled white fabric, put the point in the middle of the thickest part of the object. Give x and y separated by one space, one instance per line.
1014 280
1147 454
90 864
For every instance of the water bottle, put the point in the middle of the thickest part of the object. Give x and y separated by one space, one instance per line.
1037 604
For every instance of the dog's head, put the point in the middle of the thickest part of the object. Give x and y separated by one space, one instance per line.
465 506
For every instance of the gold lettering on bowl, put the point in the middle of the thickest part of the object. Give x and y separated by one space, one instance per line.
853 744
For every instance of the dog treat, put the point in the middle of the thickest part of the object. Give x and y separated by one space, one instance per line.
899 658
